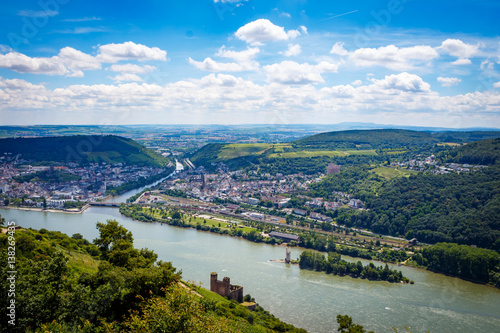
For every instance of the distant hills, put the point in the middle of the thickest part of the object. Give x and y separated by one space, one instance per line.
351 144
388 138
82 149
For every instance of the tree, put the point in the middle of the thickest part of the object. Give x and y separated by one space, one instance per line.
2 220
110 234
347 326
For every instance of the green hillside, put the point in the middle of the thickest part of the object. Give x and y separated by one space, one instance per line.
462 208
312 154
387 139
486 152
82 149
67 284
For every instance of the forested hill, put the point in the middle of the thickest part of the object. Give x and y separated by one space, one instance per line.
462 208
82 149
387 138
486 152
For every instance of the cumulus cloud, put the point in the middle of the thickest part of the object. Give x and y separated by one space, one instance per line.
131 68
72 62
496 84
21 63
338 48
129 51
448 81
459 49
293 50
263 30
244 61
75 59
404 82
293 73
225 96
393 57
211 65
126 77
240 56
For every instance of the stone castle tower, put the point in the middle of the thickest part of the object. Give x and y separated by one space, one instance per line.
288 255
225 288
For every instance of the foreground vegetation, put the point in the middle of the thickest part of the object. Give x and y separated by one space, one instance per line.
67 284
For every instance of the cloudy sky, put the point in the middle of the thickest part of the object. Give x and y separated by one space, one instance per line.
413 62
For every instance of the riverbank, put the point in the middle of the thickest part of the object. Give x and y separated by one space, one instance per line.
303 298
52 210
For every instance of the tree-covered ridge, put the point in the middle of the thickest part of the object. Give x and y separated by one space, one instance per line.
462 208
82 149
485 152
312 154
67 284
387 138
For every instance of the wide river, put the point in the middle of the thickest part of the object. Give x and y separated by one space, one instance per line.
306 299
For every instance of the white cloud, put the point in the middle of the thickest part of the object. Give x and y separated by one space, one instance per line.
21 63
72 62
357 83
449 81
129 51
487 65
496 84
75 59
338 48
404 82
76 74
293 73
263 30
226 98
393 57
293 50
459 49
303 29
39 13
239 56
126 77
461 61
67 61
214 66
131 68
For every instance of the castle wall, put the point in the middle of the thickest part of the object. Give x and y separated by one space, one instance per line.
225 288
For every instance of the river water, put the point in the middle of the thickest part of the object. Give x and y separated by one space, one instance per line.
306 299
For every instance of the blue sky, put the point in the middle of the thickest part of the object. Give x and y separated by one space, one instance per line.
431 63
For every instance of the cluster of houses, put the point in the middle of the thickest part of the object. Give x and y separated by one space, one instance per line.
431 164
239 186
89 184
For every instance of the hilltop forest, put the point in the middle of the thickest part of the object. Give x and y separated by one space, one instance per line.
82 149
